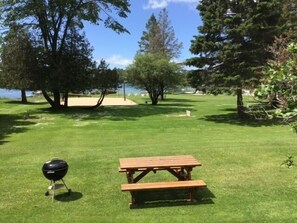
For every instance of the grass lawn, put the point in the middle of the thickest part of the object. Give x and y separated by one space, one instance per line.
240 161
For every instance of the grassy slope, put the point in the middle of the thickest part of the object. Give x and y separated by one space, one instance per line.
241 161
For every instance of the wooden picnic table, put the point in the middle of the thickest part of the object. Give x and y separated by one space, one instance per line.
178 166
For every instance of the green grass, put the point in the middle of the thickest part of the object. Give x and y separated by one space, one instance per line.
240 161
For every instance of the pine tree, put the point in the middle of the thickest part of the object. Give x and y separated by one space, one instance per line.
151 40
232 42
159 37
289 15
170 46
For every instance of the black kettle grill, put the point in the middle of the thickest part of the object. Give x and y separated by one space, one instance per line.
54 170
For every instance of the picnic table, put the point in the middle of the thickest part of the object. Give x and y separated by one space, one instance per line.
179 166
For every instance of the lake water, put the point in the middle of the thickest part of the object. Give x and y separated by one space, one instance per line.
15 94
12 94
129 90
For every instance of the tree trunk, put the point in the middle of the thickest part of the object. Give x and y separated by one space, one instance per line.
240 107
162 93
65 99
100 100
47 98
53 103
24 97
57 99
154 97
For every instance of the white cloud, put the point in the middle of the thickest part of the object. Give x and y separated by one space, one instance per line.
157 4
118 61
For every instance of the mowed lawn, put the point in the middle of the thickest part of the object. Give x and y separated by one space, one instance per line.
241 161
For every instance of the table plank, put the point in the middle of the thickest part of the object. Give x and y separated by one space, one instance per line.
159 162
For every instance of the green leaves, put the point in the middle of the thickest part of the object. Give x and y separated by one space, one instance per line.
52 21
153 72
234 44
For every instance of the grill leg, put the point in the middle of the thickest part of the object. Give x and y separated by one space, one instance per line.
53 188
48 189
69 190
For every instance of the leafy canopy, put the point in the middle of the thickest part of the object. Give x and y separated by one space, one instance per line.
152 72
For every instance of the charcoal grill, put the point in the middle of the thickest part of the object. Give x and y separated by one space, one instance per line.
55 170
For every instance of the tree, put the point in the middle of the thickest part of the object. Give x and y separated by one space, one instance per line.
152 72
196 79
151 39
289 14
279 83
19 63
170 46
77 63
52 20
159 38
231 45
104 80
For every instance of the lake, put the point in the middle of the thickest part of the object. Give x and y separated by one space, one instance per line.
15 94
12 94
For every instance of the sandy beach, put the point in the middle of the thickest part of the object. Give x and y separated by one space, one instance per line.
89 101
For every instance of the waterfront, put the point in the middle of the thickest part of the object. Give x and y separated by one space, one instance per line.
15 94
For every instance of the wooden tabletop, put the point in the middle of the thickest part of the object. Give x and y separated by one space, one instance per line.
159 162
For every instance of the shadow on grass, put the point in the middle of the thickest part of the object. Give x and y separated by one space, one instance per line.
13 124
14 102
179 100
167 198
118 113
234 119
66 197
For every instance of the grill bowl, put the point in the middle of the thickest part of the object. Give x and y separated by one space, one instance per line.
55 169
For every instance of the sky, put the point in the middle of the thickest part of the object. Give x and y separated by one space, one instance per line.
118 50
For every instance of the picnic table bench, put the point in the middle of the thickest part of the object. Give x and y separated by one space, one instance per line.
179 166
191 185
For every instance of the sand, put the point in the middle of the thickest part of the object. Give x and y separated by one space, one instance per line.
89 101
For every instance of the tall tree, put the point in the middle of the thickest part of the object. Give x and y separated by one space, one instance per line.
159 37
52 20
19 62
170 46
231 46
77 63
151 39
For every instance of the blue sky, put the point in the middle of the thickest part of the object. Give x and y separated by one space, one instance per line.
119 49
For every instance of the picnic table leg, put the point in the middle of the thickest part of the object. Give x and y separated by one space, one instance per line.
129 175
132 204
191 198
188 173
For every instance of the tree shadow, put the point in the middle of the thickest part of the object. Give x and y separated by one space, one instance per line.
117 113
180 100
169 198
233 119
13 124
14 102
185 105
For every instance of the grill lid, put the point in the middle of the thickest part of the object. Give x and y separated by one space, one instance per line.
54 164
55 169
